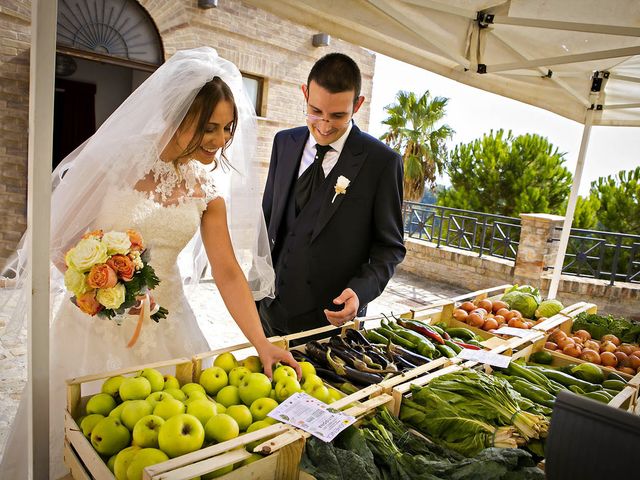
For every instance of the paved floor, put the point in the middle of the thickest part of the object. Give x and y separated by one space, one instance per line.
404 291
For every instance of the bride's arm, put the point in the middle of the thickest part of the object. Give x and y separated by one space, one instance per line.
233 286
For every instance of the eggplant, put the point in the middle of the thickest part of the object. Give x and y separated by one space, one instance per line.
317 352
402 363
356 336
407 355
350 373
330 376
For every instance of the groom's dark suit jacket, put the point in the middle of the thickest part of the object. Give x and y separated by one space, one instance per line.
353 241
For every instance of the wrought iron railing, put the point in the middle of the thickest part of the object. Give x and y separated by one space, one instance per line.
603 255
482 233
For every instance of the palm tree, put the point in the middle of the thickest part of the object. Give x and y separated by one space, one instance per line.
413 134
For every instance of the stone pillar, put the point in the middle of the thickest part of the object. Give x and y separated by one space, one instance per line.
536 250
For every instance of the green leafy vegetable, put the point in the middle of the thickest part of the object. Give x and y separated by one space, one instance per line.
548 308
599 325
525 303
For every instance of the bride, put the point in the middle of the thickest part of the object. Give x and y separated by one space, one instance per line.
150 167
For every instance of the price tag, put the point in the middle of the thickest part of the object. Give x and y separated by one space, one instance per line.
311 415
482 356
516 332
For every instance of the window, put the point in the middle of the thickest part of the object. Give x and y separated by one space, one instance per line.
254 86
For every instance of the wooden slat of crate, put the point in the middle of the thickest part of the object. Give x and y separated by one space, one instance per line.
80 456
578 308
626 399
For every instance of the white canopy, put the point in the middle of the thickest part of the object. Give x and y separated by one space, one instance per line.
541 52
577 58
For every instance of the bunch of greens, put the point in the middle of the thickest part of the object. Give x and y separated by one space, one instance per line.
469 410
384 448
599 325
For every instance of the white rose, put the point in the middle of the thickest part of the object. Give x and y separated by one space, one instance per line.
342 183
87 253
117 242
111 297
75 282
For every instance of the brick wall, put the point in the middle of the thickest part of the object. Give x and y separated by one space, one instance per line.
258 42
14 121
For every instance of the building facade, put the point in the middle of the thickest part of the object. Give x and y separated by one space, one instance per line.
97 63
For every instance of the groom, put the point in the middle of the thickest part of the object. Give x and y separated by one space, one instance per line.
334 248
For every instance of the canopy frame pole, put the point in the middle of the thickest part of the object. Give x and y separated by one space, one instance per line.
41 97
624 78
567 26
571 206
619 106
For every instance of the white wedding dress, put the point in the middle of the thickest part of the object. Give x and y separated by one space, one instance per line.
168 216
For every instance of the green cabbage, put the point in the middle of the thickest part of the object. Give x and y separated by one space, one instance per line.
548 308
526 289
525 303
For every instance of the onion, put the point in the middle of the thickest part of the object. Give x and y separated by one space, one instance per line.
468 306
627 348
611 338
475 320
490 324
565 342
516 323
550 346
608 359
502 312
500 319
627 370
583 334
635 361
481 311
592 345
557 335
486 304
577 340
607 346
460 314
622 358
572 350
499 305
590 356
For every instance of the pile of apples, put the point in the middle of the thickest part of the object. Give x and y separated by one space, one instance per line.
142 420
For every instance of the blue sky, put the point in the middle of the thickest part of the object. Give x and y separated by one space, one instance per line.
472 112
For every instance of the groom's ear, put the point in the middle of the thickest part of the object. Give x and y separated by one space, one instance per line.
305 91
358 103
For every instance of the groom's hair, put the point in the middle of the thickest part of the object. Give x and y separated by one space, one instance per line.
337 73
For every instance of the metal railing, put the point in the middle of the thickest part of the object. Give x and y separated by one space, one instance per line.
603 255
482 233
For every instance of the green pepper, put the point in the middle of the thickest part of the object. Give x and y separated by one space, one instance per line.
463 333
568 380
446 351
456 348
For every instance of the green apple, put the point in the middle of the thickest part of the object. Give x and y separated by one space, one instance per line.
110 436
260 424
261 407
112 462
88 422
187 388
334 395
273 394
213 379
171 382
143 458
228 396
282 372
320 392
254 386
311 381
156 397
203 409
220 428
112 385
116 412
146 430
176 393
195 395
217 473
220 408
123 459
135 388
133 411
269 420
241 414
307 369
253 363
286 388
226 361
156 379
101 403
237 374
181 434
169 407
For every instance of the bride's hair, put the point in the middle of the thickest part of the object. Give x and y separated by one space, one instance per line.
200 111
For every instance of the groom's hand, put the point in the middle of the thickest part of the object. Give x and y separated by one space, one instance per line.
351 303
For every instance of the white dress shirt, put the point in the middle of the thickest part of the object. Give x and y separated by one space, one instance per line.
330 158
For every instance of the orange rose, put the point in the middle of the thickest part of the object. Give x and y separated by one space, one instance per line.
102 276
136 240
123 266
87 303
96 233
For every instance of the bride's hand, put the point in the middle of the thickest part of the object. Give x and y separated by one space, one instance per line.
271 354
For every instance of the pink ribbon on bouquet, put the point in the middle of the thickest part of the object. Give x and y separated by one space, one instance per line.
146 310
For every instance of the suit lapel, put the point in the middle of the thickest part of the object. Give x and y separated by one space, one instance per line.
349 164
286 173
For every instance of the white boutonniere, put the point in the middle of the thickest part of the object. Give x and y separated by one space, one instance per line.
341 187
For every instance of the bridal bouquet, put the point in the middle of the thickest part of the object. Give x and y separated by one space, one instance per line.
109 275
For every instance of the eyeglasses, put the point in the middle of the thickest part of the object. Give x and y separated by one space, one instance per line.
336 122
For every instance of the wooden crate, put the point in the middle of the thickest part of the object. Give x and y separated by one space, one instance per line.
79 455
